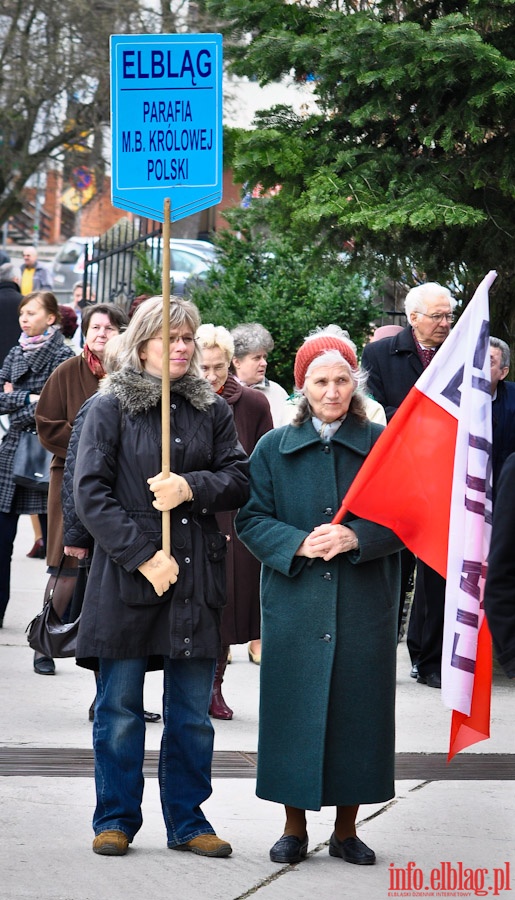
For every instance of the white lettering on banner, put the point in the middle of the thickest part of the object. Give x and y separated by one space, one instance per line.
467 391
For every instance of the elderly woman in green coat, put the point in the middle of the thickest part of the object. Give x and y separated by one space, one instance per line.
329 598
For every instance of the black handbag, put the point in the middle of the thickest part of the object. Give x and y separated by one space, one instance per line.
48 634
31 465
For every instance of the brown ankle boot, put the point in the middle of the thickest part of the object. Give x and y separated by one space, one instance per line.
218 708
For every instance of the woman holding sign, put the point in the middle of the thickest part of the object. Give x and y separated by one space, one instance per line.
144 610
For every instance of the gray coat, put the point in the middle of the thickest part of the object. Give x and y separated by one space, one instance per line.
329 629
119 449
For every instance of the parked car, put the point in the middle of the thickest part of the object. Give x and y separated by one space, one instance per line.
189 259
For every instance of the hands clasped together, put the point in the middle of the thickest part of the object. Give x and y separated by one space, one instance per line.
326 541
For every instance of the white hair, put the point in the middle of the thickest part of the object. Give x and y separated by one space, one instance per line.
331 357
418 298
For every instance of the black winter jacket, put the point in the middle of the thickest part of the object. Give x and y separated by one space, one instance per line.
499 595
393 367
119 449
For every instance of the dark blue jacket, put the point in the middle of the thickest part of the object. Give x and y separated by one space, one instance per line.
499 599
503 426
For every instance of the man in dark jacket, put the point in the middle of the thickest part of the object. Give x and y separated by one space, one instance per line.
10 296
499 599
394 365
503 407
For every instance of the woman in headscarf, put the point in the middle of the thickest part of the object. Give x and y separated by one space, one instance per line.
329 610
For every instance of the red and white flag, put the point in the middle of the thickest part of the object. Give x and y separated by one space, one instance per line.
429 479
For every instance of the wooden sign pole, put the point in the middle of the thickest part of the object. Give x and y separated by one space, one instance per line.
165 400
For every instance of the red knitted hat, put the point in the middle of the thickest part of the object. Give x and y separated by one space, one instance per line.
315 347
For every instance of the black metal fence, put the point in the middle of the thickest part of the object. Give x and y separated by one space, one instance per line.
110 268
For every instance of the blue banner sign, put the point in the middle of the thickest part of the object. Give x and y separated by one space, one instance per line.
166 122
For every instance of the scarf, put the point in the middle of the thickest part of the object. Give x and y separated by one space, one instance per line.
29 344
326 429
94 363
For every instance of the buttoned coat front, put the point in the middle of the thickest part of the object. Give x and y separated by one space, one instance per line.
329 629
119 449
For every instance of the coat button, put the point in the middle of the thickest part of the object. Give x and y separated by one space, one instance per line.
204 512
184 521
187 653
327 576
326 448
187 559
328 511
186 599
327 638
177 440
174 406
186 640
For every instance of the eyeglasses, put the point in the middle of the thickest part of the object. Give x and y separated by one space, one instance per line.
437 317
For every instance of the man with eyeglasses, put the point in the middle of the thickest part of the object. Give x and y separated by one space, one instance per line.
394 365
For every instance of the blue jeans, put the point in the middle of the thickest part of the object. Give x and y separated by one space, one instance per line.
186 746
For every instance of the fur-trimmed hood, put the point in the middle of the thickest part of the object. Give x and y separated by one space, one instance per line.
137 394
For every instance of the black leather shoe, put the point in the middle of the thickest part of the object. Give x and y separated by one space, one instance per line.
289 849
414 671
352 850
432 680
148 716
44 665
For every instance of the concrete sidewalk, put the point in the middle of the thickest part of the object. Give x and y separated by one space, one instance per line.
437 837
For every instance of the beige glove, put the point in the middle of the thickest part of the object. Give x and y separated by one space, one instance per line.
169 492
161 571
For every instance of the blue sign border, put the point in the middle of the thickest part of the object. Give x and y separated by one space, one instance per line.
166 121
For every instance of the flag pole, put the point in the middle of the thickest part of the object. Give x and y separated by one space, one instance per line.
165 397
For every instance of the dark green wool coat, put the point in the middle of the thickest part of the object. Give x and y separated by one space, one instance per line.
329 629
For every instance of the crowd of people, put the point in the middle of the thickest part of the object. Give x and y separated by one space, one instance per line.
255 478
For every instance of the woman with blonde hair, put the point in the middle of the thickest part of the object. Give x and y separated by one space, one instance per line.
143 609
